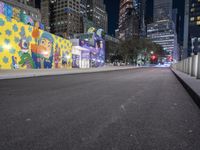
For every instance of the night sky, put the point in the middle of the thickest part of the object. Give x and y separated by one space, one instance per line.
112 7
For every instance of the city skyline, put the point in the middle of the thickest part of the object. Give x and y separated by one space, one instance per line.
113 12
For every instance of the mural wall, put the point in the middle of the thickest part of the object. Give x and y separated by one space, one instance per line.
26 47
97 49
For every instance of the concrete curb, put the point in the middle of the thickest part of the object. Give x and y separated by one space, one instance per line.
195 96
27 74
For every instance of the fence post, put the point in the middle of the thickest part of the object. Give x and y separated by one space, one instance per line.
198 65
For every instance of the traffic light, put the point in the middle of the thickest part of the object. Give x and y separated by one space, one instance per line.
153 57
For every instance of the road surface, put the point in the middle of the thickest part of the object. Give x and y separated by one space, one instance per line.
138 109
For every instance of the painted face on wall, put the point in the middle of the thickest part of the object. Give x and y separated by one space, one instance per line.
47 45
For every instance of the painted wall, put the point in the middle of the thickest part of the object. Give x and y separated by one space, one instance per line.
97 50
26 47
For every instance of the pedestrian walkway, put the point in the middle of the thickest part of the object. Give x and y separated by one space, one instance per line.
191 84
13 74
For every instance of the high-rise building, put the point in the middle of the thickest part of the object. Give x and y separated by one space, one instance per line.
62 17
162 9
163 33
194 27
128 20
191 43
68 17
140 7
27 7
96 12
186 29
163 30
83 14
83 8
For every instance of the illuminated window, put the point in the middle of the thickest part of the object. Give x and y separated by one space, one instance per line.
198 17
198 22
192 19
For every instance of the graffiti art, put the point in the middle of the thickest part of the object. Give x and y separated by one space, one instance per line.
25 47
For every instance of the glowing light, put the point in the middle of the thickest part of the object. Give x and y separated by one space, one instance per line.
7 46
68 56
45 53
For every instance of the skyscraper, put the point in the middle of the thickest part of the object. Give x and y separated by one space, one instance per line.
186 29
96 12
128 19
194 26
191 43
162 9
140 7
163 31
61 17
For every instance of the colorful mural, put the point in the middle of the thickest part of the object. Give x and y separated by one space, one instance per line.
97 49
26 47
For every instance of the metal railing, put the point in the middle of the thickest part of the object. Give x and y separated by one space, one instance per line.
190 66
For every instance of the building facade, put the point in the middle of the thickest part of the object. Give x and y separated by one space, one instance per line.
96 12
68 17
191 42
27 8
62 17
163 30
140 7
186 30
194 27
128 20
163 33
162 9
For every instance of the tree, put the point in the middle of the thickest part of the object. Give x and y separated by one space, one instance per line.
130 49
112 51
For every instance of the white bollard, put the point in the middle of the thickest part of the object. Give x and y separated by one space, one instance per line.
196 65
190 65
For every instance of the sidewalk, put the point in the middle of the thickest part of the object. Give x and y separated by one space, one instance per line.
191 84
14 74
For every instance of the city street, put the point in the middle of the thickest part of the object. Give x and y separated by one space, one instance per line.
135 109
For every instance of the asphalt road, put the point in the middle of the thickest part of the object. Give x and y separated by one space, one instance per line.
139 109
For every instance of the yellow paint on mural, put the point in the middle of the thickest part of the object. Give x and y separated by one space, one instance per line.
21 47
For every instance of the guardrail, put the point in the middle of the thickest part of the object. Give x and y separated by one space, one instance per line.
190 66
